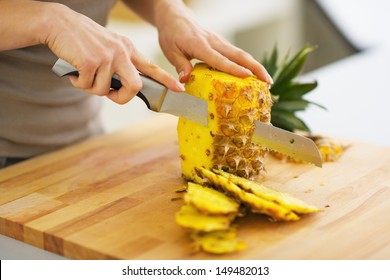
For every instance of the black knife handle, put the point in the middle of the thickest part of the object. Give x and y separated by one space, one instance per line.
116 84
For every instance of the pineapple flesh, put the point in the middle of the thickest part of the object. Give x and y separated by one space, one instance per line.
233 105
208 200
191 218
217 242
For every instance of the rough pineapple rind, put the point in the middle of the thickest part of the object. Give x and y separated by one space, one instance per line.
233 105
257 204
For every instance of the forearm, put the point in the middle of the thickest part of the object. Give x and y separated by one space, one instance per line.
24 23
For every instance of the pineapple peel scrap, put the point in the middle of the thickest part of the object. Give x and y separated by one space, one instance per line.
209 213
283 199
255 203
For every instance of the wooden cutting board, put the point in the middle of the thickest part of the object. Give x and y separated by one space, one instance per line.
112 197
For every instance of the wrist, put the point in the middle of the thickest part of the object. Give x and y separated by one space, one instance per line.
48 21
166 10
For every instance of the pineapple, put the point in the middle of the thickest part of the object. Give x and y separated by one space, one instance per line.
233 105
222 156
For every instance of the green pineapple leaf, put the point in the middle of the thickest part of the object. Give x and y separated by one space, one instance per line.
271 63
288 121
292 105
288 93
294 91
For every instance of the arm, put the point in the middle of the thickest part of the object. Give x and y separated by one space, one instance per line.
21 23
190 40
96 52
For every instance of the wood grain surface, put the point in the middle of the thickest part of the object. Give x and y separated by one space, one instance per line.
112 198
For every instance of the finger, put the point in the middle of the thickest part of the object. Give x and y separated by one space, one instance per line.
102 83
217 60
86 76
244 59
131 84
182 64
154 71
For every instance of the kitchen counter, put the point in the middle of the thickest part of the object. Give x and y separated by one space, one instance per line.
112 198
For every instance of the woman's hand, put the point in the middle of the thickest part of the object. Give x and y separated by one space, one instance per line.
98 53
182 39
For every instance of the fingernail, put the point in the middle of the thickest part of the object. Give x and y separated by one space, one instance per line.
270 80
181 86
181 74
247 71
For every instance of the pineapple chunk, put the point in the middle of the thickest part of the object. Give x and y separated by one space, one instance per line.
233 105
189 217
284 199
330 150
210 201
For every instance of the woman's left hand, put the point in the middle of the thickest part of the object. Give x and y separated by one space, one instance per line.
182 39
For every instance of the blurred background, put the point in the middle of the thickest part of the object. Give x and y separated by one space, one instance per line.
351 57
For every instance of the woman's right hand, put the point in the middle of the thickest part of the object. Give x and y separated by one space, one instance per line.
98 53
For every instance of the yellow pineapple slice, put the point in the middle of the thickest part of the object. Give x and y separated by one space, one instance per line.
284 199
233 105
257 204
189 217
210 201
217 242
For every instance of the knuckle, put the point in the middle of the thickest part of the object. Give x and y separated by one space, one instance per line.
127 43
90 64
124 97
242 55
152 66
136 86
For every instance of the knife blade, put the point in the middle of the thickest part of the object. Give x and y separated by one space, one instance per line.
160 99
286 142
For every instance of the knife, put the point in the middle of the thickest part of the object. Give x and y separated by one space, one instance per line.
160 99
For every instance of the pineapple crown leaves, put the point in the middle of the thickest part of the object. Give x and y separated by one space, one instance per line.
288 93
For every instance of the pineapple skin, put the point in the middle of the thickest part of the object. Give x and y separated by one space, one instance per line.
233 105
